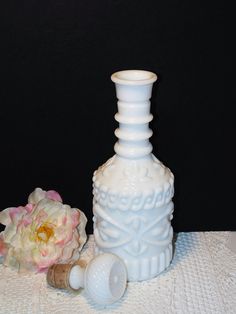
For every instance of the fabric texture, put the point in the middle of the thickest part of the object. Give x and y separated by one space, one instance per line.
200 279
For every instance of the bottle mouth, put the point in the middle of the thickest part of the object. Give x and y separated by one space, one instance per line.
134 77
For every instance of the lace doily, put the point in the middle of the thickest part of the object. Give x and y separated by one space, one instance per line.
200 279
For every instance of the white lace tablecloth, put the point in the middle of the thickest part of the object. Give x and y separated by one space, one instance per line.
201 279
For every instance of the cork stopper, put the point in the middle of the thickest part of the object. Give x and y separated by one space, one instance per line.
104 278
58 275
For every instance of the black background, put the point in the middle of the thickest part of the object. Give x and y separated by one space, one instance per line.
58 103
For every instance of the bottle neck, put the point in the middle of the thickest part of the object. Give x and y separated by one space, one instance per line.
133 133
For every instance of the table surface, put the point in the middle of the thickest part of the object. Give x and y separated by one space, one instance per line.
200 279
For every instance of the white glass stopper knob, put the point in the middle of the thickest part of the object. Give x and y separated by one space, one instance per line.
105 278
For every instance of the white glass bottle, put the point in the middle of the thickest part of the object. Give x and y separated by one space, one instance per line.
133 190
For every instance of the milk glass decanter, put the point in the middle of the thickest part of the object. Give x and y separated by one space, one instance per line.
133 190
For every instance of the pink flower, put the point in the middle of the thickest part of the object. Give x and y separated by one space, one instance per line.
42 233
